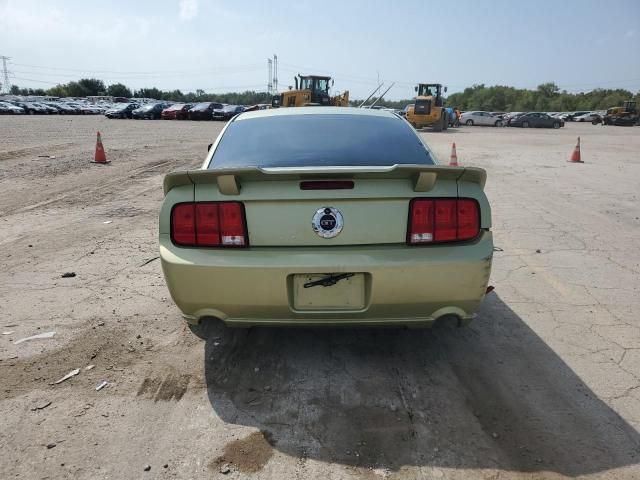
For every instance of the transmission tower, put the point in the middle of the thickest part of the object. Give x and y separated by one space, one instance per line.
6 87
275 73
270 83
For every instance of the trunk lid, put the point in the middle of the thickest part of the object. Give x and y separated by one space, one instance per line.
375 211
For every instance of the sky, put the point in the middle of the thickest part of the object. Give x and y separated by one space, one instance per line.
223 45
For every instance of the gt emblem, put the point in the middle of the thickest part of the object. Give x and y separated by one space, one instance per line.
327 222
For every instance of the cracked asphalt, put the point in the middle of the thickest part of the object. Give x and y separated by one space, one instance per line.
545 383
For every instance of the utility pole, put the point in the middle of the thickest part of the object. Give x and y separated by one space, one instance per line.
275 73
270 82
6 87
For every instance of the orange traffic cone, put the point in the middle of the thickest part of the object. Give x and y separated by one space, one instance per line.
100 156
575 155
453 160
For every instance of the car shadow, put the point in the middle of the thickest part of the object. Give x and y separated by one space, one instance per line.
492 395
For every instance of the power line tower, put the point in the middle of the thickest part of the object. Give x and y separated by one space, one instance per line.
275 73
6 87
270 82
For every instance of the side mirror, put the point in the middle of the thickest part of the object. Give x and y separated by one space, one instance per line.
209 146
445 89
415 88
332 82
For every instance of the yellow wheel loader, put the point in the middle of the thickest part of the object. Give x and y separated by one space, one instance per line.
310 90
428 109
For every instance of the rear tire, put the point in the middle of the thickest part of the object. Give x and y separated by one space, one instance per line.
525 124
445 122
556 125
469 123
498 123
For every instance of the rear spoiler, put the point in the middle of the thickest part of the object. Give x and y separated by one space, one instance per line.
230 180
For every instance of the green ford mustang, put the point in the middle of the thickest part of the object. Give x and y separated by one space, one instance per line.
325 216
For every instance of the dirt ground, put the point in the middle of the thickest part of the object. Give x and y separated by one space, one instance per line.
544 384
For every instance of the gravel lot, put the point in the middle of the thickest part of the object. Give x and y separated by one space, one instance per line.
544 384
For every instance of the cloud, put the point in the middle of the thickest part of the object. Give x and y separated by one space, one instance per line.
630 33
188 9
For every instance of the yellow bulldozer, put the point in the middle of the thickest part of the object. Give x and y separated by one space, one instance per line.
626 116
310 90
428 109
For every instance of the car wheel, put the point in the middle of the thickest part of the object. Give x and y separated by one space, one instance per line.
498 123
525 124
469 123
556 124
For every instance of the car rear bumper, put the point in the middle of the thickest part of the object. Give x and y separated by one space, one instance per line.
412 286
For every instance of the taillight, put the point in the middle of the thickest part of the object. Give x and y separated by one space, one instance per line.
209 224
438 220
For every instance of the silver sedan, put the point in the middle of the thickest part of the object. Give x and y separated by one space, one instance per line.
480 118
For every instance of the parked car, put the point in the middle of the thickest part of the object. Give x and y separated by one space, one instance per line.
227 112
177 111
121 110
62 108
48 108
480 118
536 119
76 107
89 109
308 253
570 117
587 117
7 108
258 106
203 111
152 111
31 108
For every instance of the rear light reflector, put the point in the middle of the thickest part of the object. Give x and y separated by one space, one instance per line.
183 224
421 221
468 219
326 185
209 224
446 222
232 222
441 220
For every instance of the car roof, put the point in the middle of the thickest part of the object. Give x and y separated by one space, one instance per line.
280 112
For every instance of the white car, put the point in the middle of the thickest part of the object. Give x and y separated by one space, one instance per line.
6 107
587 117
480 118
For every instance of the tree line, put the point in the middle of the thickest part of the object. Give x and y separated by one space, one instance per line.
546 97
87 87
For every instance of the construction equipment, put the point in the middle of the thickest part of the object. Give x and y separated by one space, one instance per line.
428 109
310 90
625 116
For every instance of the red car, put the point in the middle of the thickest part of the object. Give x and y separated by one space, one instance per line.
176 111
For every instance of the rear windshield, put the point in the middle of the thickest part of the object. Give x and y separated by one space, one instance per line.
319 140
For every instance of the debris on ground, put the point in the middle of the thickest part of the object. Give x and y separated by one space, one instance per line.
538 251
8 333
108 222
41 406
102 385
39 336
224 469
89 367
52 157
51 445
68 274
147 468
72 373
149 261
